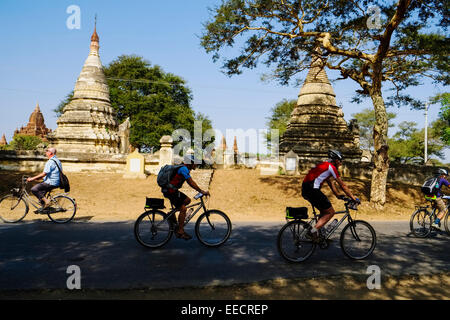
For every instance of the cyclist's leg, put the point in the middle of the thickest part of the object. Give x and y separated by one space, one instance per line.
40 190
321 202
180 201
440 206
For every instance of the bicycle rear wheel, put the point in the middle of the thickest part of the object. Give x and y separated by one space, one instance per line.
12 208
62 209
358 240
292 243
420 223
213 228
152 229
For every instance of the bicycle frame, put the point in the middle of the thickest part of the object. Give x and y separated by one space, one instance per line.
200 205
346 216
29 200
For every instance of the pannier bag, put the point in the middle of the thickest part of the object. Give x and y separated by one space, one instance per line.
431 186
154 203
296 213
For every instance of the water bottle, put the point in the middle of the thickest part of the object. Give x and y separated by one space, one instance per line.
332 225
188 213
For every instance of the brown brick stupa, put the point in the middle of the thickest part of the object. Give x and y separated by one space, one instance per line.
88 123
36 125
3 141
317 124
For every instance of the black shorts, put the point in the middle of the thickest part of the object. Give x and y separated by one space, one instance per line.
315 196
176 199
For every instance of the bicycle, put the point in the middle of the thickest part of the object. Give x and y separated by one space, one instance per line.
422 219
358 238
154 228
15 206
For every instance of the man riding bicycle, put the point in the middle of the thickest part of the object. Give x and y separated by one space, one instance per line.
323 172
177 198
440 204
50 175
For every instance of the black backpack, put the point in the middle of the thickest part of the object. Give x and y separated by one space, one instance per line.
63 180
431 186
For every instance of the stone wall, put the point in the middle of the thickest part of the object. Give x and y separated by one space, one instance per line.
405 173
34 161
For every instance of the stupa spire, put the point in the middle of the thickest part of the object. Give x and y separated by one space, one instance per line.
88 123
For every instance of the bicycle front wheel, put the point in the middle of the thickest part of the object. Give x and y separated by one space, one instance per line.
358 240
213 228
420 223
62 209
152 229
446 221
12 208
292 243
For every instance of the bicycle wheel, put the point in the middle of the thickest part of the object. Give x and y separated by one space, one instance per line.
62 209
358 240
152 229
292 243
446 222
420 223
12 208
213 228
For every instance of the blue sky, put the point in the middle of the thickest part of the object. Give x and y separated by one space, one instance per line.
41 59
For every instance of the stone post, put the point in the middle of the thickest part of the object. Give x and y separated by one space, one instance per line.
291 163
135 166
166 151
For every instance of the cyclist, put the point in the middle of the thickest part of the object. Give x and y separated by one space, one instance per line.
323 172
51 178
177 198
440 204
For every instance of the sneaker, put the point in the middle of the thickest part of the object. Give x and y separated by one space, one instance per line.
436 225
313 236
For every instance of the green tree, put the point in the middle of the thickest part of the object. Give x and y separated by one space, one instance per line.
366 122
443 122
156 102
279 118
24 142
406 43
407 144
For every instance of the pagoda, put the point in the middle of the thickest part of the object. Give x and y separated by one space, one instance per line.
88 123
317 124
36 125
3 141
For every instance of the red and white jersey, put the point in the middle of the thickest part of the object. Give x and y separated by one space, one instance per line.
320 173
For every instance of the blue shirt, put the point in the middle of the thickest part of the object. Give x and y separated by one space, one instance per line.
52 171
442 182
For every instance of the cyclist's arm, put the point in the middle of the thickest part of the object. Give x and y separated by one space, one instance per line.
194 186
39 176
333 187
345 188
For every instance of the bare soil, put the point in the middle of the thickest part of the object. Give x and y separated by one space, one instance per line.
244 194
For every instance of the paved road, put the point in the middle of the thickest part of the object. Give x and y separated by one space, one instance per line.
36 255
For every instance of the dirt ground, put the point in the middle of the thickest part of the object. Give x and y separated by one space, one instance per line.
243 194
434 287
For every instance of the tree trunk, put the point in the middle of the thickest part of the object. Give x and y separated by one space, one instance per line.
380 157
